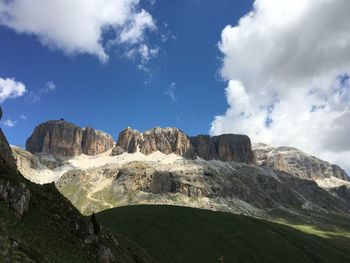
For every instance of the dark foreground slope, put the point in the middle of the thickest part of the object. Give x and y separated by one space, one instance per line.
52 230
179 234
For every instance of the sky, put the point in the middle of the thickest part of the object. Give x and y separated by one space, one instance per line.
276 70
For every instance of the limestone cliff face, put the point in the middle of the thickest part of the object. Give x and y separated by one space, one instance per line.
226 147
61 138
165 140
296 162
128 140
95 142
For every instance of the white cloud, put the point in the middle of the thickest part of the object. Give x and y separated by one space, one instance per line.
9 123
288 67
78 27
49 86
170 91
10 88
145 53
23 117
36 96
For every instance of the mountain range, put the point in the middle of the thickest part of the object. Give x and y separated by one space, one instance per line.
67 170
166 166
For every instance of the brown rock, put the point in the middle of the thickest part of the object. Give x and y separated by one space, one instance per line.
95 142
165 140
226 147
59 138
63 139
128 140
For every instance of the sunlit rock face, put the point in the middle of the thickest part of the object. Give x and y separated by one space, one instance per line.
62 138
297 163
227 147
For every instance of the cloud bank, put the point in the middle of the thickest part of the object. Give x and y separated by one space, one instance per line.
287 64
10 89
79 26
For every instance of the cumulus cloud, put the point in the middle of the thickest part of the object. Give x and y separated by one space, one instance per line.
9 123
287 64
170 91
10 88
78 27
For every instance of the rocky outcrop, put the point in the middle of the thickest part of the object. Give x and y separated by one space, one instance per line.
17 196
61 138
165 140
95 142
340 173
6 157
226 147
128 141
296 162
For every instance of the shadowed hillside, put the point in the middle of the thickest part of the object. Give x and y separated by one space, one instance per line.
178 234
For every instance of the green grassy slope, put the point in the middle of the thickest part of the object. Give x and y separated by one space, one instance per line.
178 234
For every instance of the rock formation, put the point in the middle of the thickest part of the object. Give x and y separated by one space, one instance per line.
128 140
340 173
227 147
95 142
17 196
6 157
296 162
165 140
61 138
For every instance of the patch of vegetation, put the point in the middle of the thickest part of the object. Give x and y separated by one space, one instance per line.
178 234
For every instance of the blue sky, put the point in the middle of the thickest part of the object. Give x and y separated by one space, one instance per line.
110 96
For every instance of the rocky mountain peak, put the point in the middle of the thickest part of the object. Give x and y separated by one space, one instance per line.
296 162
64 139
227 147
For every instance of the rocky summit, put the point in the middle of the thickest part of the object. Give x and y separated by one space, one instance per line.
296 162
64 139
227 147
